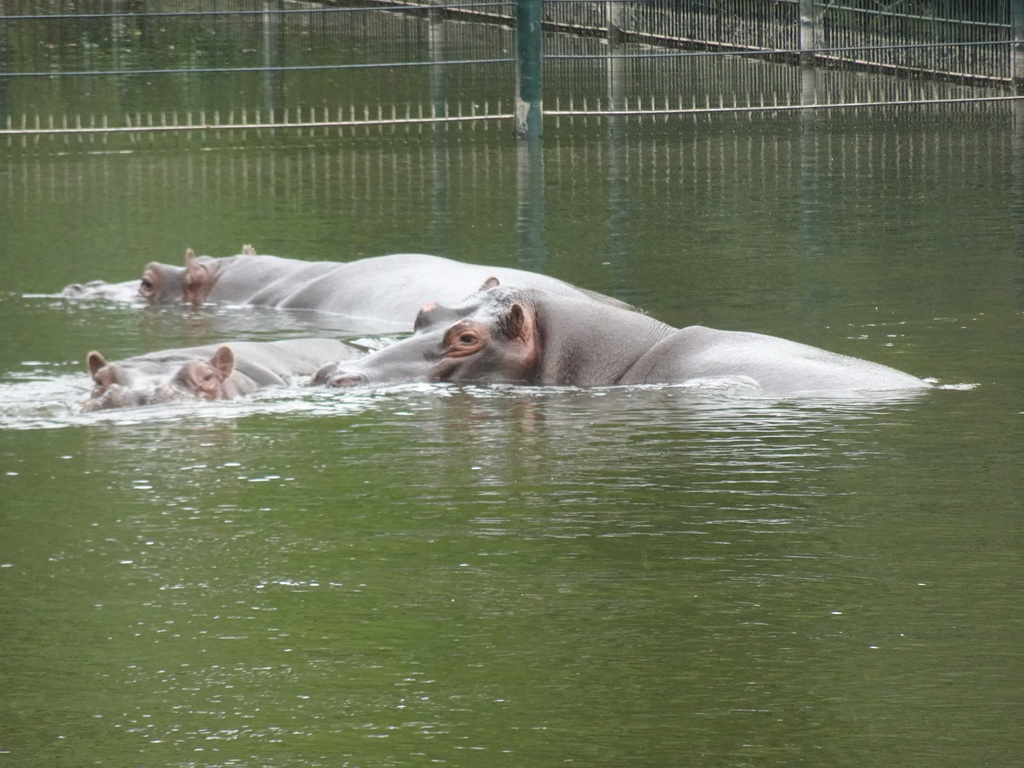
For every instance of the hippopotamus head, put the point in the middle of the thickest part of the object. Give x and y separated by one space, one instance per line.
504 335
125 385
102 290
166 284
163 283
490 338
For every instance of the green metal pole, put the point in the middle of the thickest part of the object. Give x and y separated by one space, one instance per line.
810 30
1017 44
529 50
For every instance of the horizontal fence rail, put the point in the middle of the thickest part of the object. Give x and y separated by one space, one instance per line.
105 67
173 122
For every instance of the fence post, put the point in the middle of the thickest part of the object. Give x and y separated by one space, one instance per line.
1017 44
529 50
614 15
810 33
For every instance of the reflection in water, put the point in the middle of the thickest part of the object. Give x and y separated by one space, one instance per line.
1017 168
530 218
814 196
619 196
441 191
506 461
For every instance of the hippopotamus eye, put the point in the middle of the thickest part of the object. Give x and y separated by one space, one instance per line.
464 338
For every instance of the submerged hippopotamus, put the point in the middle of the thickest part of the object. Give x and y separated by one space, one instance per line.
211 372
104 291
383 291
533 337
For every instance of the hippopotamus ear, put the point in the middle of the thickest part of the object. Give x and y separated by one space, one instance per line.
518 323
223 361
96 362
248 250
197 279
490 282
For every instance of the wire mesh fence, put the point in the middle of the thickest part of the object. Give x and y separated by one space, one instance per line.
93 68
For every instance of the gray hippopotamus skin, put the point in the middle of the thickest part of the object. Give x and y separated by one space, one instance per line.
211 372
532 337
383 291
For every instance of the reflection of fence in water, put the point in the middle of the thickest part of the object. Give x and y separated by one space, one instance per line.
658 163
413 64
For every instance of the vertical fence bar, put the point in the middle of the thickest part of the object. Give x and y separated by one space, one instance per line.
530 50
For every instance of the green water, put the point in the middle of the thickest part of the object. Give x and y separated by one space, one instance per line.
504 576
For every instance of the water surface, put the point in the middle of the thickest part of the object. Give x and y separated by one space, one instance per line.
484 576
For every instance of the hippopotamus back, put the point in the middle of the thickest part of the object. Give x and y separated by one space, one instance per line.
383 292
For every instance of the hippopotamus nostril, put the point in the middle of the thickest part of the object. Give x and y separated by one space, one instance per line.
331 375
323 375
347 380
167 393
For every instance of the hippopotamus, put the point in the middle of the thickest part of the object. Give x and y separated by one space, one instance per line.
101 290
383 292
534 337
211 372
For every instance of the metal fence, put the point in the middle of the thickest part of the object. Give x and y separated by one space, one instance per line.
963 39
87 69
